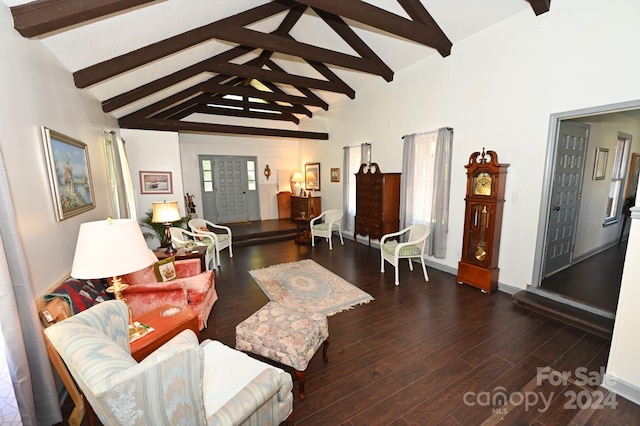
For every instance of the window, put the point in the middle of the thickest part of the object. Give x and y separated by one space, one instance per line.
251 175
617 178
207 176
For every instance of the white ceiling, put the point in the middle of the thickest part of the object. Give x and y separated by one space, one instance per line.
102 39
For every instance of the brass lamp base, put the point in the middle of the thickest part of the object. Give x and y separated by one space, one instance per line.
117 287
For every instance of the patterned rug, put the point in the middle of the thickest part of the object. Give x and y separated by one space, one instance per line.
307 285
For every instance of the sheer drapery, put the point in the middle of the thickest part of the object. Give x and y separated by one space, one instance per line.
122 195
425 185
25 349
352 159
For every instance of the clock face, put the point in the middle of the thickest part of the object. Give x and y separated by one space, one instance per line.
482 184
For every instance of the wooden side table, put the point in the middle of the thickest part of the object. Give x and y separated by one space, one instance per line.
303 236
198 252
165 328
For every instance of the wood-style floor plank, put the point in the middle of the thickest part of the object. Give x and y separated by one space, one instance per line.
411 355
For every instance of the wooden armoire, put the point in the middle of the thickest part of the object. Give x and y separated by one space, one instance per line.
377 202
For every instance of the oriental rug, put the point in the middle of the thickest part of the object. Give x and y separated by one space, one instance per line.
308 286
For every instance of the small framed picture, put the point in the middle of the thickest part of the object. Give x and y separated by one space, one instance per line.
600 164
156 183
335 174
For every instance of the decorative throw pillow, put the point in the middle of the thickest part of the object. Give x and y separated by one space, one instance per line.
202 228
165 269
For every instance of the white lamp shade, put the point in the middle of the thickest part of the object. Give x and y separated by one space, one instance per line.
109 248
166 211
297 177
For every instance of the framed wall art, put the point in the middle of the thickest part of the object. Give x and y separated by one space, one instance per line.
335 174
600 164
69 174
312 176
156 183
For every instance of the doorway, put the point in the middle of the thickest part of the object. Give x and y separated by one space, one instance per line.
229 188
613 118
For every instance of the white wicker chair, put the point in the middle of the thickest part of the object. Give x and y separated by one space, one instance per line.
331 221
179 236
393 251
221 239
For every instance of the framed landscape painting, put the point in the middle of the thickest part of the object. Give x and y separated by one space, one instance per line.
156 183
312 176
69 174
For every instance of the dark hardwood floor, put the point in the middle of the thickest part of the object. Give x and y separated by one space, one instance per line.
425 353
595 281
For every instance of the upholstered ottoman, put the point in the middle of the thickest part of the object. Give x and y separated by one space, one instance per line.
285 335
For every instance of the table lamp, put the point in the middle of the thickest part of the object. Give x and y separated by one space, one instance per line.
110 248
166 212
297 179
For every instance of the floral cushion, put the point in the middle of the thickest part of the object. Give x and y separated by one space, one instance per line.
283 334
409 250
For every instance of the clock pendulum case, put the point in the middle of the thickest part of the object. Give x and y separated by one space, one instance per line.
486 179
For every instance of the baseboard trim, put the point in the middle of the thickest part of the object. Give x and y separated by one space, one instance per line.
622 388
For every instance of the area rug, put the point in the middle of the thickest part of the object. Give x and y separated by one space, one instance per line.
307 285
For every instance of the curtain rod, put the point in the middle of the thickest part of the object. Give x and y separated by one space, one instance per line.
448 128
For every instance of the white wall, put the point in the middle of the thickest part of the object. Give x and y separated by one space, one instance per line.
277 153
591 235
154 151
497 90
37 91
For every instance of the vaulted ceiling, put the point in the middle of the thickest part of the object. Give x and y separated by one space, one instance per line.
249 67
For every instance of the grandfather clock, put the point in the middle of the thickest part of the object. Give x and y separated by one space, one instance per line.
486 179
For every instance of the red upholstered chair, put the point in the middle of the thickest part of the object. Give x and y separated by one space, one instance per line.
192 289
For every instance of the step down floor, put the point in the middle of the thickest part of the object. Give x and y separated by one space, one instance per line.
576 317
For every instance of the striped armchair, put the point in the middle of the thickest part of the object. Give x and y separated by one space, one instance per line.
183 382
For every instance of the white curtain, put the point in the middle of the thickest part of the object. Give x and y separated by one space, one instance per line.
25 349
122 195
352 160
425 185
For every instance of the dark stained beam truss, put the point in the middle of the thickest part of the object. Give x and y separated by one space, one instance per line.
193 127
540 6
40 17
365 13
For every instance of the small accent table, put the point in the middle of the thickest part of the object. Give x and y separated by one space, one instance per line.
303 236
198 252
165 328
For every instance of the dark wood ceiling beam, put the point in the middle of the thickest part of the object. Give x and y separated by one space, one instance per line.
288 46
375 17
306 91
206 109
226 89
416 10
171 79
193 127
177 109
128 61
43 16
219 100
180 97
540 6
275 76
351 38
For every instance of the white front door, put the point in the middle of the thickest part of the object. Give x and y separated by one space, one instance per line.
565 195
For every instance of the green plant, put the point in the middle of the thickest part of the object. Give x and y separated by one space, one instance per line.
151 230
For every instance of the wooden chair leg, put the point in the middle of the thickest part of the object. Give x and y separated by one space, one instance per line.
325 348
301 375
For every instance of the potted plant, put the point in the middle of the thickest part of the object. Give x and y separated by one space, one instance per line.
151 230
